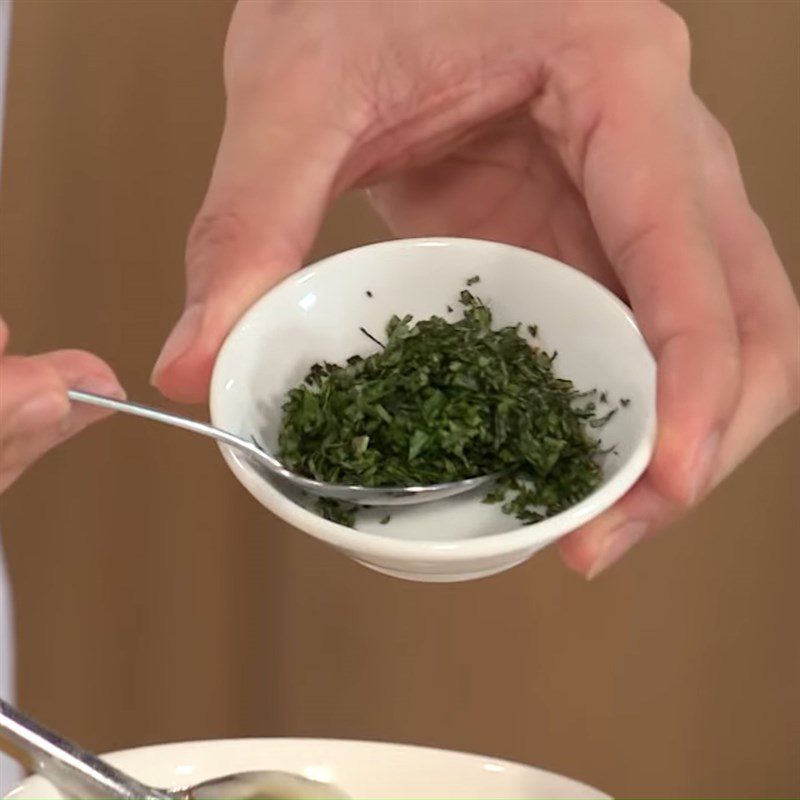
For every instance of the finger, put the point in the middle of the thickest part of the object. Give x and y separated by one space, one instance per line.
35 413
3 336
77 369
271 184
262 212
593 548
619 119
644 511
768 322
34 387
765 306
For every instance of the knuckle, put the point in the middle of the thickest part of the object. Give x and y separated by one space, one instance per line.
216 240
214 232
229 242
570 108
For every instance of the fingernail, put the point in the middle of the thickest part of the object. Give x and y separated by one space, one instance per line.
180 340
617 542
702 466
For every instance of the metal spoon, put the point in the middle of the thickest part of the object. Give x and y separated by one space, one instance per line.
360 495
78 773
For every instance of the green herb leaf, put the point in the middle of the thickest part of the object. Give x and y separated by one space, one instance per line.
337 511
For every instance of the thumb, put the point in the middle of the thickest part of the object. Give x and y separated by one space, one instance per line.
271 185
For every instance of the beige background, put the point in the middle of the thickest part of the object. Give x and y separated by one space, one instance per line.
157 601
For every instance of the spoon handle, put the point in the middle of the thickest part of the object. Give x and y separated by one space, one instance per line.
139 410
69 767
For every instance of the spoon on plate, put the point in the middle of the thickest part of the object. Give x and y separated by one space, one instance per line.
260 458
80 774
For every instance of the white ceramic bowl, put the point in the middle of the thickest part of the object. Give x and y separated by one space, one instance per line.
316 315
361 769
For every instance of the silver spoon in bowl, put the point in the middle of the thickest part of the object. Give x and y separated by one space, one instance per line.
360 495
77 773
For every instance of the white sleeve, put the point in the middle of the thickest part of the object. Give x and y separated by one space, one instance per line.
10 771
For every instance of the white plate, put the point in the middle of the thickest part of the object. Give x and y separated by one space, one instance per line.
362 769
317 314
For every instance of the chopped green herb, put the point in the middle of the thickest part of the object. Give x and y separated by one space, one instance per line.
385 520
337 511
533 330
598 422
473 280
369 336
442 401
369 293
449 309
603 397
625 402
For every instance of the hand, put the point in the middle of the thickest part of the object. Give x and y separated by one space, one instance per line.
35 413
570 128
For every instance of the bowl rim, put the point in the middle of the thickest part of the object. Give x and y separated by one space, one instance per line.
518 539
317 741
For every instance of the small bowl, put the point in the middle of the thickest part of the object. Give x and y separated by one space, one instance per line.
316 314
361 769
